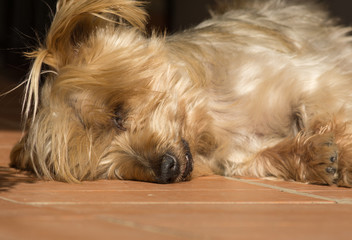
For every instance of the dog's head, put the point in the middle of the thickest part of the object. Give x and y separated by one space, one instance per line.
113 103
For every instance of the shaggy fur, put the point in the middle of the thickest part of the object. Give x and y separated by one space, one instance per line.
263 88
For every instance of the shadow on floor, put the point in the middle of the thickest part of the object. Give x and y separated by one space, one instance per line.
10 177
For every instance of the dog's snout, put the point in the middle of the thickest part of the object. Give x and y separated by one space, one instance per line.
170 168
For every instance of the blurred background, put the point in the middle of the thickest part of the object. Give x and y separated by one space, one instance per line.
23 22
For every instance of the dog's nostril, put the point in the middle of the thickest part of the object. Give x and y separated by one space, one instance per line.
169 162
170 168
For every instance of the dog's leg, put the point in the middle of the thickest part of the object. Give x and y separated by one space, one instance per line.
320 155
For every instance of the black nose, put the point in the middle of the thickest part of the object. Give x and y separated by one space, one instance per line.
169 169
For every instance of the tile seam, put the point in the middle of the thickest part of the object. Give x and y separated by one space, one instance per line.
160 203
148 228
12 201
292 191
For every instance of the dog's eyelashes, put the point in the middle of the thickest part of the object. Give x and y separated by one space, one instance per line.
119 119
119 123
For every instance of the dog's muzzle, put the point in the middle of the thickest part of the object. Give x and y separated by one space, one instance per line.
170 168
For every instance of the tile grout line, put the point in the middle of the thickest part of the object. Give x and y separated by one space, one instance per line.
291 191
38 204
148 228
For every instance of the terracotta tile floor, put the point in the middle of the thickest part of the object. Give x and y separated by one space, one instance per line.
211 207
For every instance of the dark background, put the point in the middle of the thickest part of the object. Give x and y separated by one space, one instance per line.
23 22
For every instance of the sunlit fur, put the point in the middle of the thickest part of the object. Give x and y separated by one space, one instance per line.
263 88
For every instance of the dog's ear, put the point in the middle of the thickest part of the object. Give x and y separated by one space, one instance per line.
73 22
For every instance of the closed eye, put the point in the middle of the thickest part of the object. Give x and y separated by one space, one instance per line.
119 118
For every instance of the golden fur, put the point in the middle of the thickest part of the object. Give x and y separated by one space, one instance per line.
263 88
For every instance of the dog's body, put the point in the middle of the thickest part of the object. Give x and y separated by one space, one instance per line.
261 90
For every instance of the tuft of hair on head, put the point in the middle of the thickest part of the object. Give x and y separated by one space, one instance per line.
73 22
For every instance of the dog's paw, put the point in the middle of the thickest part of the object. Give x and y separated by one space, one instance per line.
345 168
321 159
